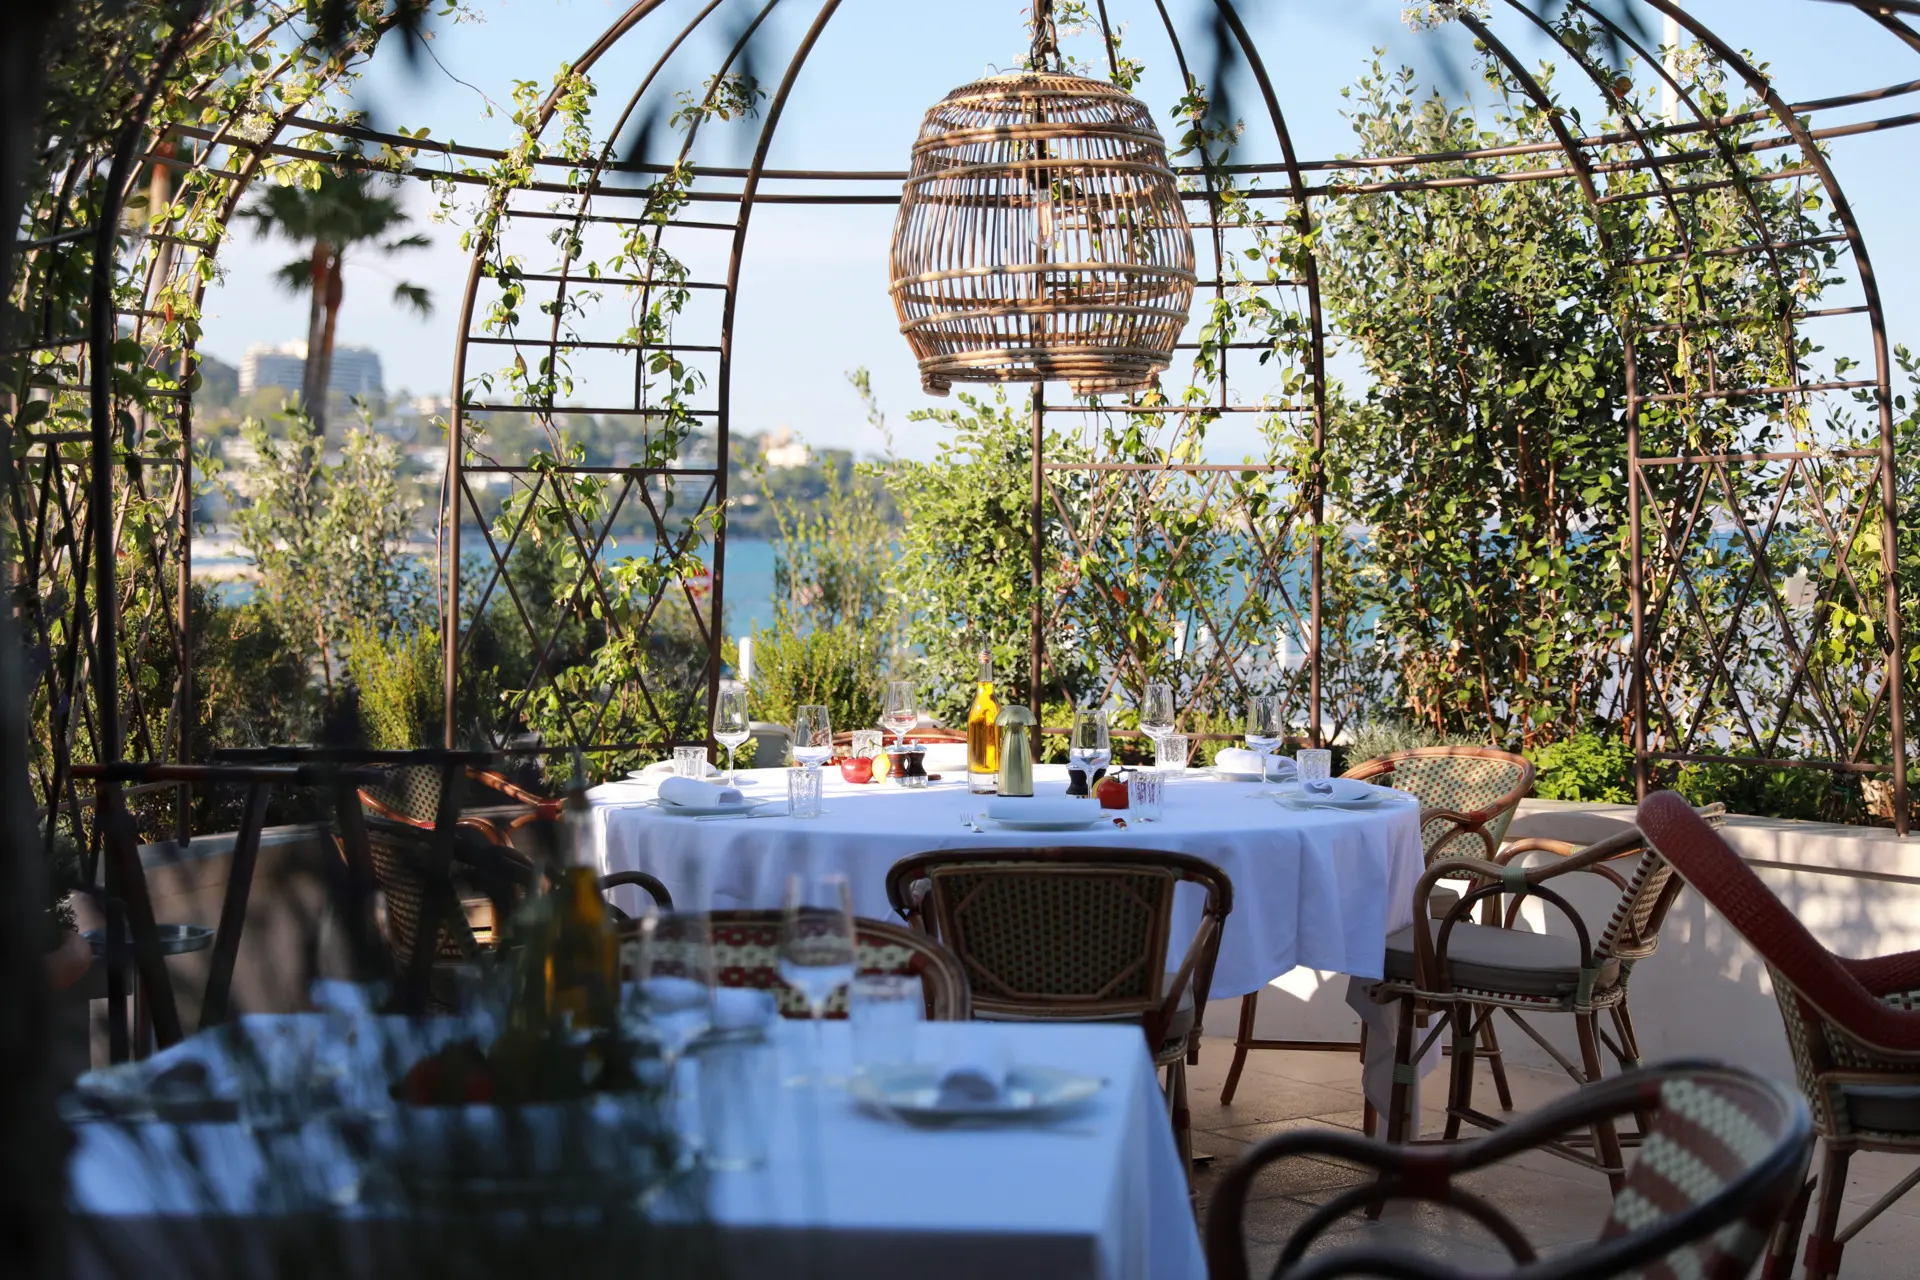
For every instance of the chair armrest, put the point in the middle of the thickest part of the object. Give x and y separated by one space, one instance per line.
1430 953
655 889
499 782
1463 824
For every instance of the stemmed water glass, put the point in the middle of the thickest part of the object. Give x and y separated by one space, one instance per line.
817 947
1156 712
1265 731
732 724
812 736
901 712
1090 748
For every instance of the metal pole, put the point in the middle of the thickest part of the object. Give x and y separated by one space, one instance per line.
1036 636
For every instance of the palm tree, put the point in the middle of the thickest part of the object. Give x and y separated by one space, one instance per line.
345 211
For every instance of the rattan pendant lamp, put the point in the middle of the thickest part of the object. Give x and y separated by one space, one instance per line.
1041 236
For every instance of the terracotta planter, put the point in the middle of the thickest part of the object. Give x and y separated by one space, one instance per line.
68 961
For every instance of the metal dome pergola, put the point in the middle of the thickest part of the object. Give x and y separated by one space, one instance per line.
71 488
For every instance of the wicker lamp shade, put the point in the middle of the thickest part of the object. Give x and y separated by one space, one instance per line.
1041 238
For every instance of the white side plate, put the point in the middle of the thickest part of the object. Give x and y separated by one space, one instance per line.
912 1092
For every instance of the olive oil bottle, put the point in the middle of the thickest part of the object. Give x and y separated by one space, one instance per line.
983 733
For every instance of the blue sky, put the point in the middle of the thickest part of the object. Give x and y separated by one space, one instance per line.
813 300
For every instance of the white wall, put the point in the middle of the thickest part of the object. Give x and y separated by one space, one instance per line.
1705 993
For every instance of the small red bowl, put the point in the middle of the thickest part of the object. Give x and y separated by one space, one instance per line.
856 768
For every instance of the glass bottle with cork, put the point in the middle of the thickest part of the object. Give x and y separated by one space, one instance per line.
983 733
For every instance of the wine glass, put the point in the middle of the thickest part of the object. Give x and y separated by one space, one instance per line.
732 725
812 736
1265 731
901 713
1089 749
1156 712
816 946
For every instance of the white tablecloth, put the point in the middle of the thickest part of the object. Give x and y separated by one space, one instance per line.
1097 1193
1318 888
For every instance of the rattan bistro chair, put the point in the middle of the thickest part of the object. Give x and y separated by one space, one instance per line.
1853 1027
463 893
1468 796
1464 973
1075 935
410 795
746 953
1723 1157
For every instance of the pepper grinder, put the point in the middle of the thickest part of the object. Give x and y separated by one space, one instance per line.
1016 751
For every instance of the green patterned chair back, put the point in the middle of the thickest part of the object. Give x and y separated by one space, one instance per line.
1061 933
746 953
1467 795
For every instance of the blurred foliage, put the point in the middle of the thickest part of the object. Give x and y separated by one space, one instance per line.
1586 766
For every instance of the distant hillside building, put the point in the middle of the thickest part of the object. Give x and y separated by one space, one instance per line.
356 370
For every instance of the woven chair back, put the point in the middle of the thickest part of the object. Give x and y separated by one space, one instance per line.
746 953
408 793
1633 931
403 867
1710 1130
1478 782
1060 933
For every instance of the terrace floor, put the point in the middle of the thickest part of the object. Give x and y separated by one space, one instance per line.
1557 1204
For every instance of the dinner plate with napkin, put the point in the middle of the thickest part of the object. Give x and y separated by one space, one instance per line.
691 795
978 1081
1241 764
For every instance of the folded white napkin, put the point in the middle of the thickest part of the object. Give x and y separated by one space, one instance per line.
1040 808
975 1073
945 757
698 794
1241 760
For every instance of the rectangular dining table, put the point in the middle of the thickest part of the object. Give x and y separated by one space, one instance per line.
1095 1192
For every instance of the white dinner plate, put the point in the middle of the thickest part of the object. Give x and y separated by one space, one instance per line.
912 1092
1050 824
708 810
1234 775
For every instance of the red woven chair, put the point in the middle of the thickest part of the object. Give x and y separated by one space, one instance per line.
1853 1026
1724 1156
1468 796
746 953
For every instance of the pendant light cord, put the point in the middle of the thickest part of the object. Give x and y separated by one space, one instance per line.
1045 55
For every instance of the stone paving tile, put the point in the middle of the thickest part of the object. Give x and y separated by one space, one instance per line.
1559 1205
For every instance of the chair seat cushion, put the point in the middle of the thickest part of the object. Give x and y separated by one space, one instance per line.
1504 961
1882 1108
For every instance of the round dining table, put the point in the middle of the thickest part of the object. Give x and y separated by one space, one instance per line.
1314 887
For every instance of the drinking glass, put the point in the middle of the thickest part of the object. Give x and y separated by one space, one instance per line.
671 999
812 736
1264 732
816 947
1156 711
803 791
1146 791
690 762
885 1009
1315 763
902 713
732 725
1171 752
1089 749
